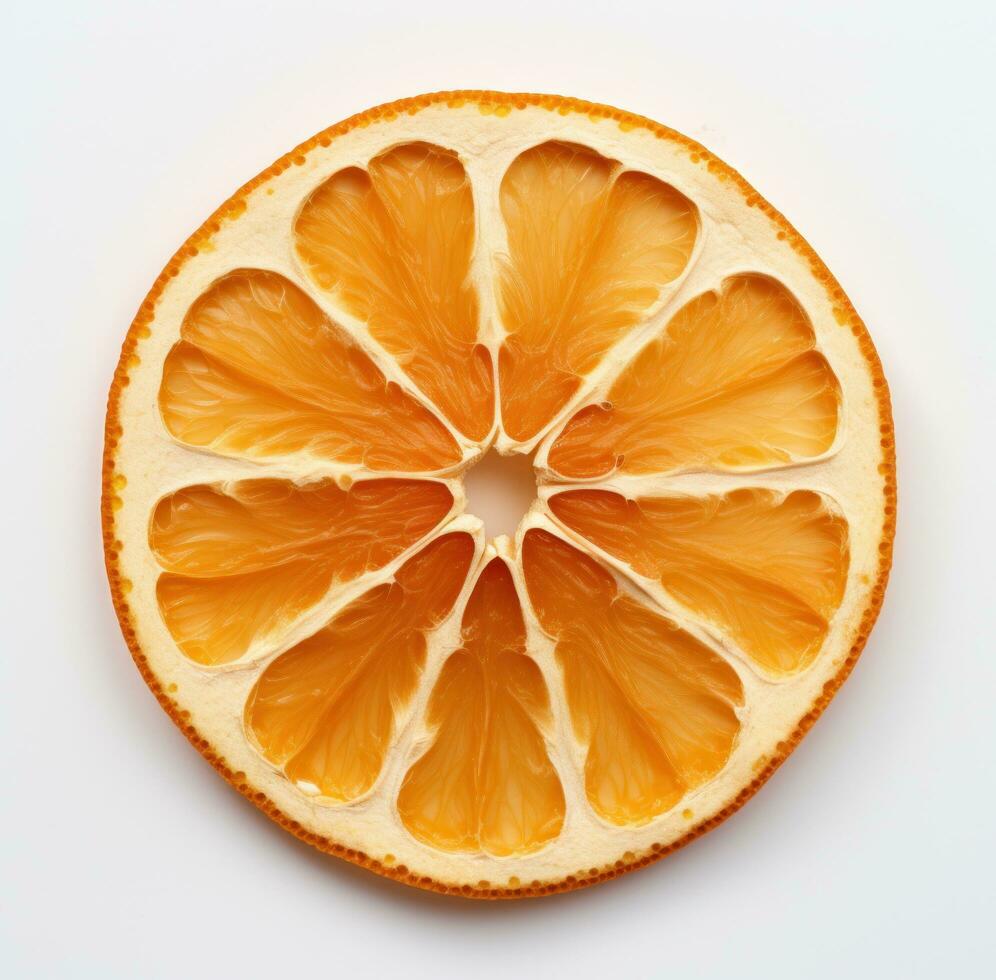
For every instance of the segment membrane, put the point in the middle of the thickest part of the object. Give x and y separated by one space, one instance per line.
653 707
733 383
486 783
325 712
589 251
768 571
243 561
393 244
261 372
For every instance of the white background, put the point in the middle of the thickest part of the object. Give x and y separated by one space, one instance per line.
870 854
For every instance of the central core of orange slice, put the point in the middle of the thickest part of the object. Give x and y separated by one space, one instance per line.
500 489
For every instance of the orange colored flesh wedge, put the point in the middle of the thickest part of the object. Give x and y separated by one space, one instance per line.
486 783
654 707
325 711
262 373
589 251
768 571
733 382
393 244
245 561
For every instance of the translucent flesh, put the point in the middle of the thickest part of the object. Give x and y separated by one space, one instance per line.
261 372
244 561
394 244
588 253
734 382
325 711
486 782
654 707
768 571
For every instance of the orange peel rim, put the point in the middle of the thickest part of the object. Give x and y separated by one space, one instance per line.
501 103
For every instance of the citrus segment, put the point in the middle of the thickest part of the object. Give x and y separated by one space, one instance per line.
589 250
326 710
261 372
733 383
486 783
654 707
768 570
244 560
393 244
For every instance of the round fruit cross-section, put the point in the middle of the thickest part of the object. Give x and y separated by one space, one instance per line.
286 530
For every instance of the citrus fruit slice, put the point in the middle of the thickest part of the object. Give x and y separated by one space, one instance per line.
288 539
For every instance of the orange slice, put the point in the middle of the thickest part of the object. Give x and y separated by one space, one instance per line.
288 540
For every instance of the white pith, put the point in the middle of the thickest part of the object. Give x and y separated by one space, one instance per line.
733 238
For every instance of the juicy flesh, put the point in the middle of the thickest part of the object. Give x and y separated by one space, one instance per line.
734 382
767 571
589 250
654 707
261 372
325 712
394 244
486 783
243 562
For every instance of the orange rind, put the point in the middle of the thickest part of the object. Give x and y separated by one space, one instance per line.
286 533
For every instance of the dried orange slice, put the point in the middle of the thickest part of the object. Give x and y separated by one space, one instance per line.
286 529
